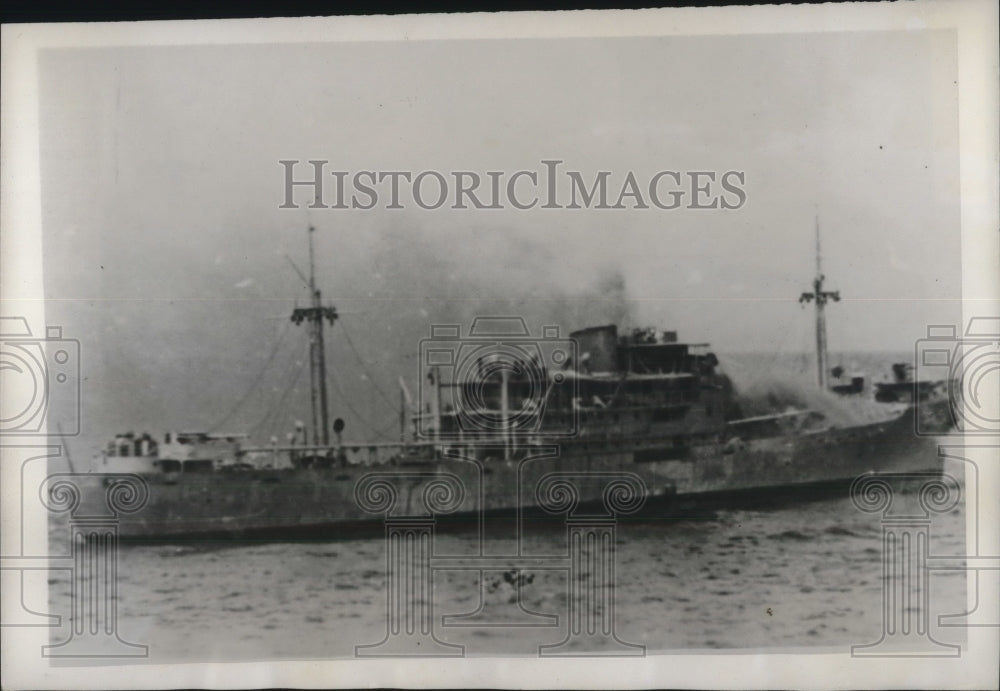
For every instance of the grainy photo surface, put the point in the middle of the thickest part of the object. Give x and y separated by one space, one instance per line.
584 346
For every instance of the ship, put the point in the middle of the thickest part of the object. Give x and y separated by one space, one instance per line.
501 412
932 399
904 388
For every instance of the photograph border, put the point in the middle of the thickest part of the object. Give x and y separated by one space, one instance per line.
975 25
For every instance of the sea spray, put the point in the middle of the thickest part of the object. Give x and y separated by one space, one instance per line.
767 384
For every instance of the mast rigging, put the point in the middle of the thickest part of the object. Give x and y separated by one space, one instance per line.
821 297
315 314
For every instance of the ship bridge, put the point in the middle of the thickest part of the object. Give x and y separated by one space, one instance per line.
643 351
643 383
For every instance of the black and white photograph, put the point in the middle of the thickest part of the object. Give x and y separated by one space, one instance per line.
617 349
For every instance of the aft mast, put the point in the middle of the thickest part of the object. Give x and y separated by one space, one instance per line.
821 297
314 315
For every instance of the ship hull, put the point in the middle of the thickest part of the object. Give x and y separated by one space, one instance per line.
323 503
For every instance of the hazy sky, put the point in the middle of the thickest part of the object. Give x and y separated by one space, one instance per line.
165 247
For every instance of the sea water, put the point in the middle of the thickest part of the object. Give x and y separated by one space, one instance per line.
804 574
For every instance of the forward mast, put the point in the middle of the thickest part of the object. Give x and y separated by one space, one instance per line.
314 316
820 297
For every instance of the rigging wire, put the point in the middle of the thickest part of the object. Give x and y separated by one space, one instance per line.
384 432
385 397
782 357
280 405
256 382
276 414
806 346
291 374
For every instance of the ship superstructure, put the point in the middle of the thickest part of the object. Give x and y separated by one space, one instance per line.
502 410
